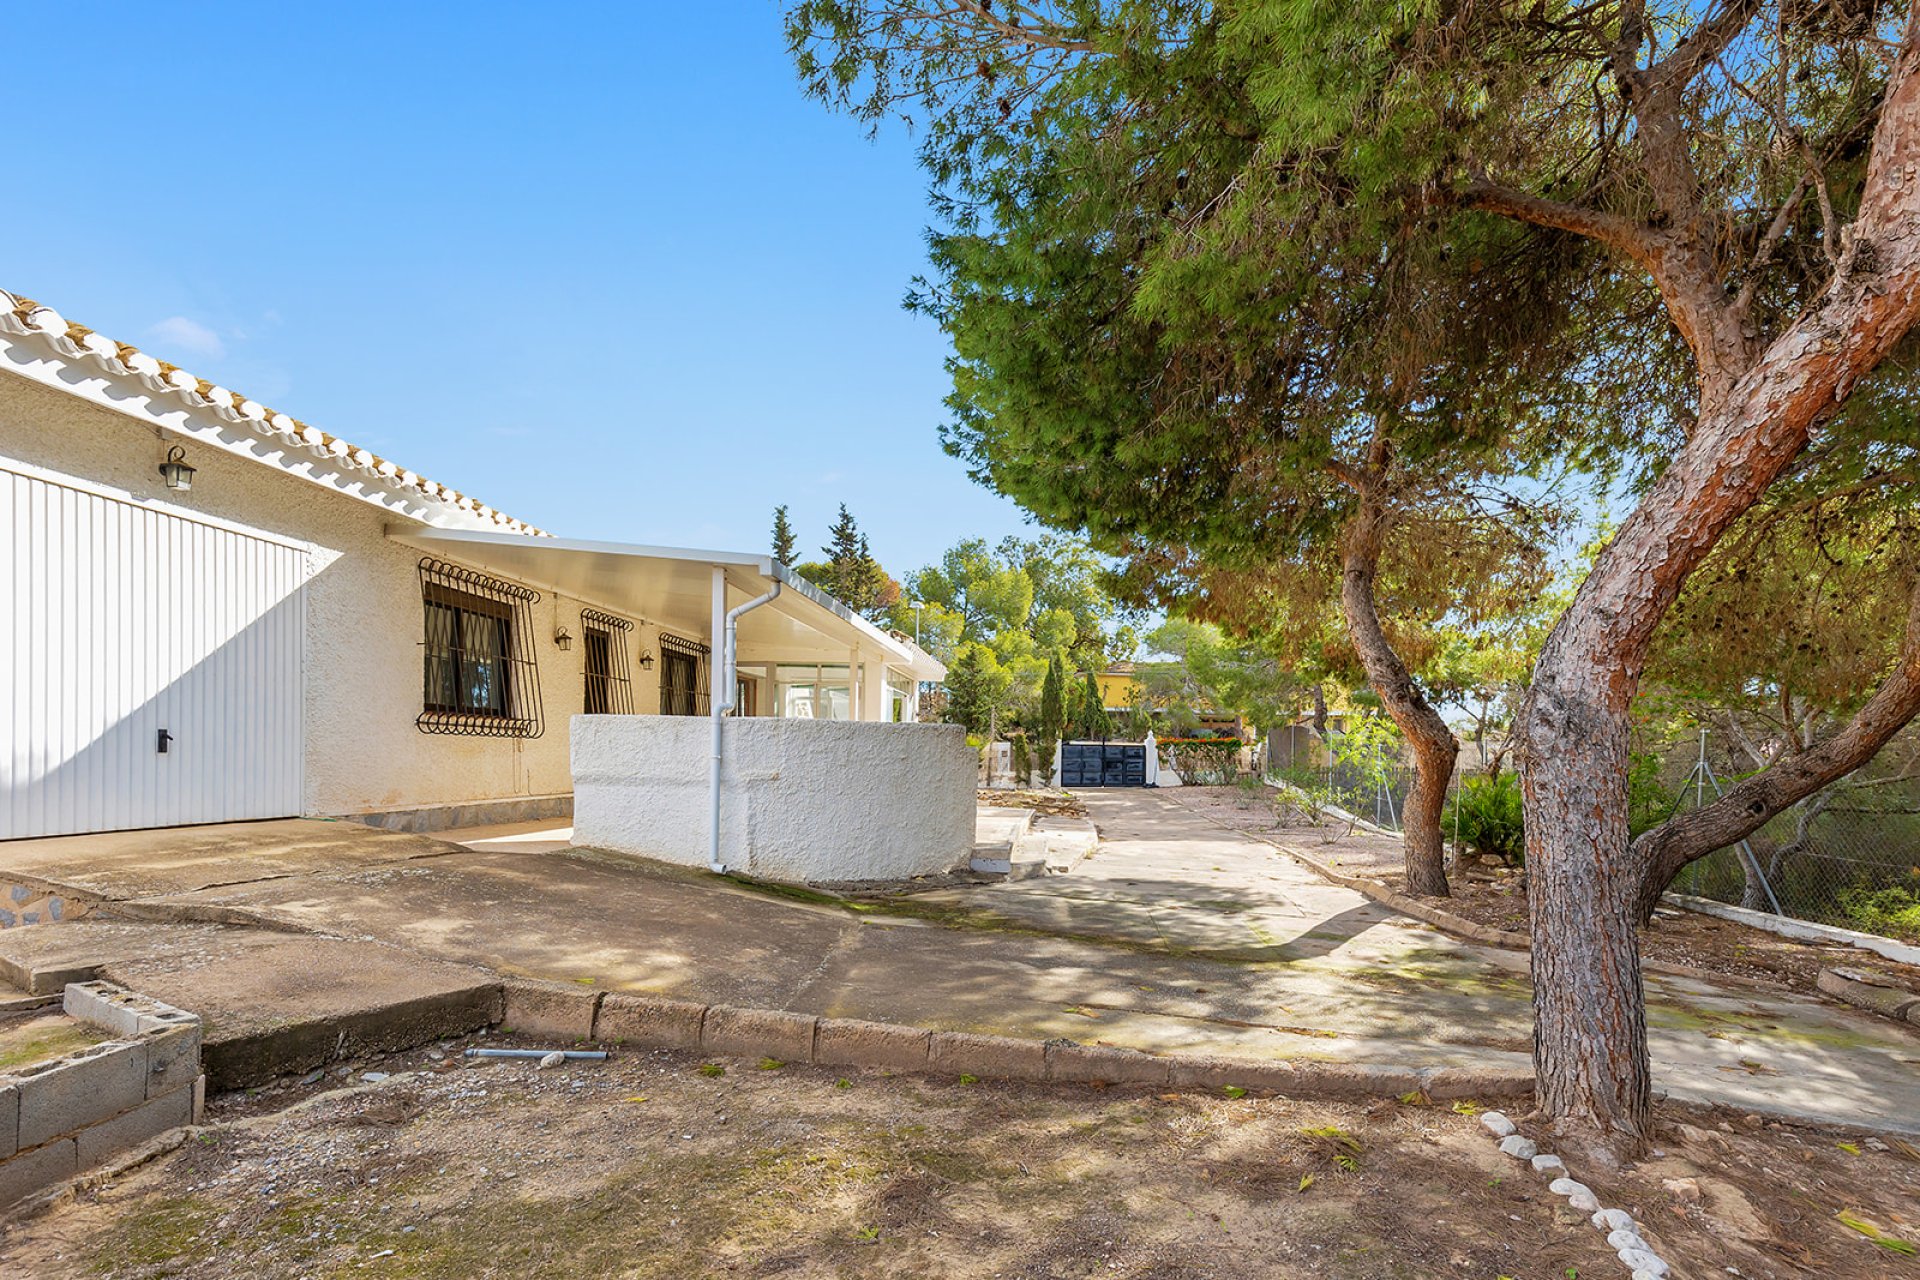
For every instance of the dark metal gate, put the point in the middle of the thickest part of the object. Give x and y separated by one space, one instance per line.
1103 764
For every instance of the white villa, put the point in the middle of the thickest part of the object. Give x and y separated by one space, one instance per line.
210 611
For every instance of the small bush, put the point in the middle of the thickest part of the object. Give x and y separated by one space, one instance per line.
1893 911
1486 813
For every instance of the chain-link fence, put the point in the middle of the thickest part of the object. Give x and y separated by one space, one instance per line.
1376 791
1848 855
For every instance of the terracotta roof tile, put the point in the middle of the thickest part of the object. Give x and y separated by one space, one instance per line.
169 379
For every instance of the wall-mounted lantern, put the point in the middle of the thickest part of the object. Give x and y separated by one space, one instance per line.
175 470
563 639
646 659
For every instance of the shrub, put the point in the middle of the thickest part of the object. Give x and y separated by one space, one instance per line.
1486 813
1204 762
1894 911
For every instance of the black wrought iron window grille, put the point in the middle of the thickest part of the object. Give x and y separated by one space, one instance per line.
685 689
480 676
609 690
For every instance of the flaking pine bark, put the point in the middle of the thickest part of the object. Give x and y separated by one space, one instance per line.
1761 407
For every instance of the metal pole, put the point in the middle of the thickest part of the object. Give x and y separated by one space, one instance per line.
1753 861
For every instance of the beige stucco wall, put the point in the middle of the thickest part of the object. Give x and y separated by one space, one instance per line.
364 615
802 800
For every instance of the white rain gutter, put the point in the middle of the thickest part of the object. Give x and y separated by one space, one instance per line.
729 682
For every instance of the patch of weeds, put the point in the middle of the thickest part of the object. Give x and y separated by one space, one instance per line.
162 1231
1877 1234
969 1079
712 1069
1416 1098
771 1064
867 1235
1234 1091
843 1083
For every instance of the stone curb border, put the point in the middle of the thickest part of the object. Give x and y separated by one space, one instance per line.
1623 1233
1863 991
573 1014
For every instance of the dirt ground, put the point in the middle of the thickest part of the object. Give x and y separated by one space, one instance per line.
1047 803
663 1165
1497 897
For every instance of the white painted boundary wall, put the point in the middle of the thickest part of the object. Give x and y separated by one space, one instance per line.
800 800
1805 930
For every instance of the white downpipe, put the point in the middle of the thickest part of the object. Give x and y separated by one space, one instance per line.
729 682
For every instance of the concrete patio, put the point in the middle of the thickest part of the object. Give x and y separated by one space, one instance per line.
1175 937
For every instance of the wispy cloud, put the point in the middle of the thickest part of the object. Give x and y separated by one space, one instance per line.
178 333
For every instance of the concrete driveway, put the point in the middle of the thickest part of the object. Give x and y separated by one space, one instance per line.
1176 936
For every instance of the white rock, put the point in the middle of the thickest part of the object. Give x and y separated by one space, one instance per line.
1625 1239
1641 1260
1518 1147
1613 1220
1568 1187
1497 1124
1584 1202
553 1059
1549 1164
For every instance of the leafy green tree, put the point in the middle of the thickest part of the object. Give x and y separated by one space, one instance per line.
1744 163
783 544
1090 717
976 686
1244 677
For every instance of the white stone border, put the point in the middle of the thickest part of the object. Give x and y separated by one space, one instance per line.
1788 927
1623 1233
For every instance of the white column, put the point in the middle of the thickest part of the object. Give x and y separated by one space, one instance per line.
717 639
853 684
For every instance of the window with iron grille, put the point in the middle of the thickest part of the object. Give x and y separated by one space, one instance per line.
609 687
479 672
684 687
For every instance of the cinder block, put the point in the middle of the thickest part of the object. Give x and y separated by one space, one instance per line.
550 1009
131 1128
755 1033
9 1119
103 1004
961 1053
32 1171
645 1020
73 1092
1091 1063
173 1059
122 1012
848 1042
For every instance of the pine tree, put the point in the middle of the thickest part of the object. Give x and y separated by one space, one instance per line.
845 558
783 548
1094 722
1053 700
967 691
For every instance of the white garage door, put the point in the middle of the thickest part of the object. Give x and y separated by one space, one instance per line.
150 665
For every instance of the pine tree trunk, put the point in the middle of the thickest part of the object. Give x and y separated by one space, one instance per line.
1590 1030
1434 746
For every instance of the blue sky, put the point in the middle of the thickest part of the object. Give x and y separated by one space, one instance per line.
600 265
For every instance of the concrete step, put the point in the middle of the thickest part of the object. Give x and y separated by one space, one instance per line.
270 1004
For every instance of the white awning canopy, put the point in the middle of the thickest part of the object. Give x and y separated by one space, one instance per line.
673 587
